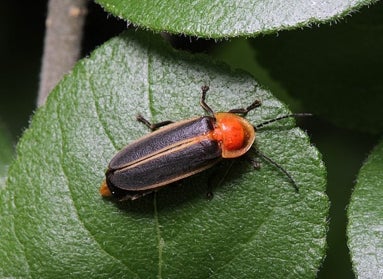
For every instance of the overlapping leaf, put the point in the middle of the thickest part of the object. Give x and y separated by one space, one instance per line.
218 18
365 229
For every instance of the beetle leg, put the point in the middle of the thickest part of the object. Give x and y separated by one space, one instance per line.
244 111
151 126
209 194
221 174
202 102
132 195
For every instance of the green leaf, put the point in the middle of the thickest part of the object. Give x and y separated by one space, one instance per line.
256 225
217 19
365 228
335 71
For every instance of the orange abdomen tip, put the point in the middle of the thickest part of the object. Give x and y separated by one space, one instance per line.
104 190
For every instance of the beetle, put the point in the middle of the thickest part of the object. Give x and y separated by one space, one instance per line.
176 150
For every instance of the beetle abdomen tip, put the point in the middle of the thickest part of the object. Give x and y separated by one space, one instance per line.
104 189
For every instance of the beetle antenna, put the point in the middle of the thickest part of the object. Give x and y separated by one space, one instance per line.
275 164
280 118
202 102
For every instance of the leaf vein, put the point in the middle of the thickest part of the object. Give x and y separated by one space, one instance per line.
98 115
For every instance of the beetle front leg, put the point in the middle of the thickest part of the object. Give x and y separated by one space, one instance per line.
244 111
204 105
151 126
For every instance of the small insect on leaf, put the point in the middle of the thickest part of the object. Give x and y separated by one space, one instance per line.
176 150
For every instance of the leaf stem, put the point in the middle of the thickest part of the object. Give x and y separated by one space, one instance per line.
62 42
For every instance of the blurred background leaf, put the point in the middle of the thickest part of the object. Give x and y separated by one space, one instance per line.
365 227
